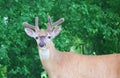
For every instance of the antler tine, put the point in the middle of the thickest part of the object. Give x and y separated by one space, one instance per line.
27 25
36 23
49 21
49 24
58 22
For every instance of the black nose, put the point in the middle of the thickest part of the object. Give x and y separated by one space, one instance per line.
42 44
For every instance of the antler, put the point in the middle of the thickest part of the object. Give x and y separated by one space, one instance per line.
36 23
61 20
50 25
36 27
28 25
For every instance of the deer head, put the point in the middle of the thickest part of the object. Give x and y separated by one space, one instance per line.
43 37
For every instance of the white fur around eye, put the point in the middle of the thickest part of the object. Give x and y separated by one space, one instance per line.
49 37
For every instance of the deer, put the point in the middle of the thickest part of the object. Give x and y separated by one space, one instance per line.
70 64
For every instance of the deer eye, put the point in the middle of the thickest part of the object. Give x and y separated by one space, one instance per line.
36 37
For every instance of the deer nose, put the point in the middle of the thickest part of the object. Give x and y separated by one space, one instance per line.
42 41
42 44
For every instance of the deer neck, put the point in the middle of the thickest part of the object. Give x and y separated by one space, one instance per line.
48 56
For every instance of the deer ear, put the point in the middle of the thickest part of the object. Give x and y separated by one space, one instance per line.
56 31
30 32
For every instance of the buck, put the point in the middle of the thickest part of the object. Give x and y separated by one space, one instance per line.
69 64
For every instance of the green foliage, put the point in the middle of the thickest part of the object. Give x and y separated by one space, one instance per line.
3 71
93 24
44 74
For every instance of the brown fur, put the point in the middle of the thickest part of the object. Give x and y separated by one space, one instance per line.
71 65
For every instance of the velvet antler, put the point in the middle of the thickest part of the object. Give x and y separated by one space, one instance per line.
36 27
51 26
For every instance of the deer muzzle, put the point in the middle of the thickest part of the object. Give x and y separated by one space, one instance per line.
42 41
41 44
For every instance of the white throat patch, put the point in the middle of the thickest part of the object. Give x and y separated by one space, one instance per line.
44 53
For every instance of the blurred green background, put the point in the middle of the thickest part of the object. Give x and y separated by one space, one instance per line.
91 27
